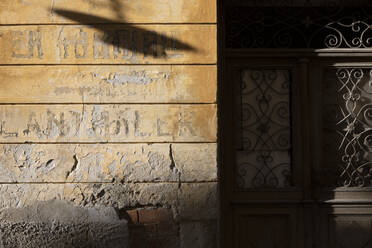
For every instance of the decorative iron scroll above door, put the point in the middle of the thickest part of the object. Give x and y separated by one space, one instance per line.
298 27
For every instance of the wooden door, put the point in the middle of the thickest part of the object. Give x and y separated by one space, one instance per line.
264 162
340 98
297 156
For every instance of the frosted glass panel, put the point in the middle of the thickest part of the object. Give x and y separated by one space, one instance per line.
263 160
347 126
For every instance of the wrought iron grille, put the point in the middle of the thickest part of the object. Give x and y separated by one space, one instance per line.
347 125
264 159
299 27
300 3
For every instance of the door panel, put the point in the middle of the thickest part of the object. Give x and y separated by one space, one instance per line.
346 226
300 161
266 227
341 169
267 164
343 117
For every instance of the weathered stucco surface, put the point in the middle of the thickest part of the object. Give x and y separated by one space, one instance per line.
108 84
108 123
108 131
124 163
58 224
139 11
190 201
74 44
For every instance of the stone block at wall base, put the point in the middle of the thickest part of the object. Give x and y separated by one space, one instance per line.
198 234
58 224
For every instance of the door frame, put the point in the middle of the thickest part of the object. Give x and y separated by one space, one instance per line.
300 57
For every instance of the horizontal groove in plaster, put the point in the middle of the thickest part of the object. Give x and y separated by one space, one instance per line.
114 103
106 143
113 23
108 64
128 183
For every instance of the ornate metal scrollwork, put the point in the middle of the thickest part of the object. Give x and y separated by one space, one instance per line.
263 169
264 160
296 27
361 35
349 118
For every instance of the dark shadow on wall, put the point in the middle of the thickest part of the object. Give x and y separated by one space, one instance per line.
126 36
157 229
115 5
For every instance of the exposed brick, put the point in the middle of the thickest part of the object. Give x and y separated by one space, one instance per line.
130 215
167 228
154 229
137 231
155 215
158 242
169 242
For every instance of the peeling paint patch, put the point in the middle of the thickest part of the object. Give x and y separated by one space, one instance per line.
62 90
136 77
